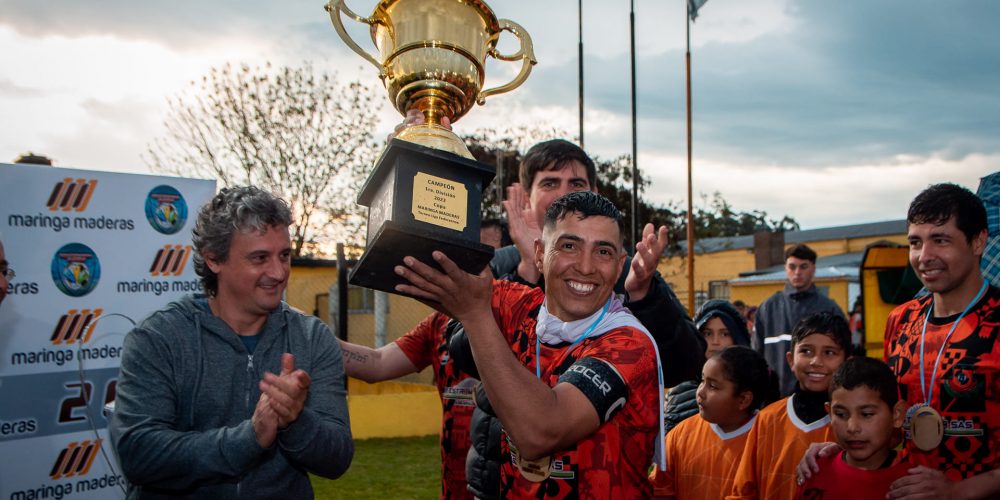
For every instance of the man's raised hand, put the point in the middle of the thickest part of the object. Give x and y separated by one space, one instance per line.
647 255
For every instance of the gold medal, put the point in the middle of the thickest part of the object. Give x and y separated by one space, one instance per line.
927 428
535 471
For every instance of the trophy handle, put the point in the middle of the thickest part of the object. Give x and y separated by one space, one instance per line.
526 53
335 7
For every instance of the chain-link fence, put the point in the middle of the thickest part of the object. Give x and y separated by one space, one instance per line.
373 318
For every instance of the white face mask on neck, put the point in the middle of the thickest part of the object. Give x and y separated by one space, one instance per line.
552 330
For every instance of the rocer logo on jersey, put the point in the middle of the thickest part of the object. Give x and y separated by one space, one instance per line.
70 194
76 269
166 209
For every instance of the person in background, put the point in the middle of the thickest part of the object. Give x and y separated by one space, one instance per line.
722 326
494 233
751 319
779 314
741 307
857 325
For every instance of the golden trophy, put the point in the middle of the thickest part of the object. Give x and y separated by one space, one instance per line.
426 189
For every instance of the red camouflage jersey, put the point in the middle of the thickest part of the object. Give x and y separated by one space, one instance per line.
426 345
966 383
614 461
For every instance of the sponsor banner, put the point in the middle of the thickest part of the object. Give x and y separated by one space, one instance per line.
78 407
94 252
73 466
87 336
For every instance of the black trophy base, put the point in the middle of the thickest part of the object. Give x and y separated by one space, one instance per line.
419 200
392 242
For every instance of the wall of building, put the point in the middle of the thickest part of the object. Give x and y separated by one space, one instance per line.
842 246
375 409
728 264
724 265
305 284
753 294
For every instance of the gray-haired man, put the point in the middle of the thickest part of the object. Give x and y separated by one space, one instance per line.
232 394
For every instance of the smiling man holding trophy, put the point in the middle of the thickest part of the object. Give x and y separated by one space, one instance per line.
425 191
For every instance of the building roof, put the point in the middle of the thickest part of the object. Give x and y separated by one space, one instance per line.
867 230
845 265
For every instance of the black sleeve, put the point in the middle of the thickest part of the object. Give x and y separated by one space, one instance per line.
759 328
504 266
460 350
682 349
600 382
504 261
681 403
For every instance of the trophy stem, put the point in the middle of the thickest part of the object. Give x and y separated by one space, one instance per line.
431 133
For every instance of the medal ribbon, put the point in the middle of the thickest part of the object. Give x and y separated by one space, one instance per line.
926 391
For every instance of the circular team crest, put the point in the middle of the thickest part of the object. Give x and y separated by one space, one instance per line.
166 209
962 383
76 269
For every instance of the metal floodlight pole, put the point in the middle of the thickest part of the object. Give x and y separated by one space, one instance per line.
579 11
498 182
690 204
635 149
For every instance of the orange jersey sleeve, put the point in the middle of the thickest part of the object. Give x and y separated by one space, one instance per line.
773 449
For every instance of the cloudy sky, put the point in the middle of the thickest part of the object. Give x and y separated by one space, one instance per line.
831 112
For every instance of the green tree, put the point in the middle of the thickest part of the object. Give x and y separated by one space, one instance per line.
503 149
299 133
715 217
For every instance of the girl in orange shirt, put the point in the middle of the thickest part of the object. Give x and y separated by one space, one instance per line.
703 451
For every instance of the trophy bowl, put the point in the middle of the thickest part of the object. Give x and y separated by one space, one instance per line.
425 191
431 57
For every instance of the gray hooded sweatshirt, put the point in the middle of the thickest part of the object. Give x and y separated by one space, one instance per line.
186 393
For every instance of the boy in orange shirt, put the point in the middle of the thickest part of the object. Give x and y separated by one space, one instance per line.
866 414
785 429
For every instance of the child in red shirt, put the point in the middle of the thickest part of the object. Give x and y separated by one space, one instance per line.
865 414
